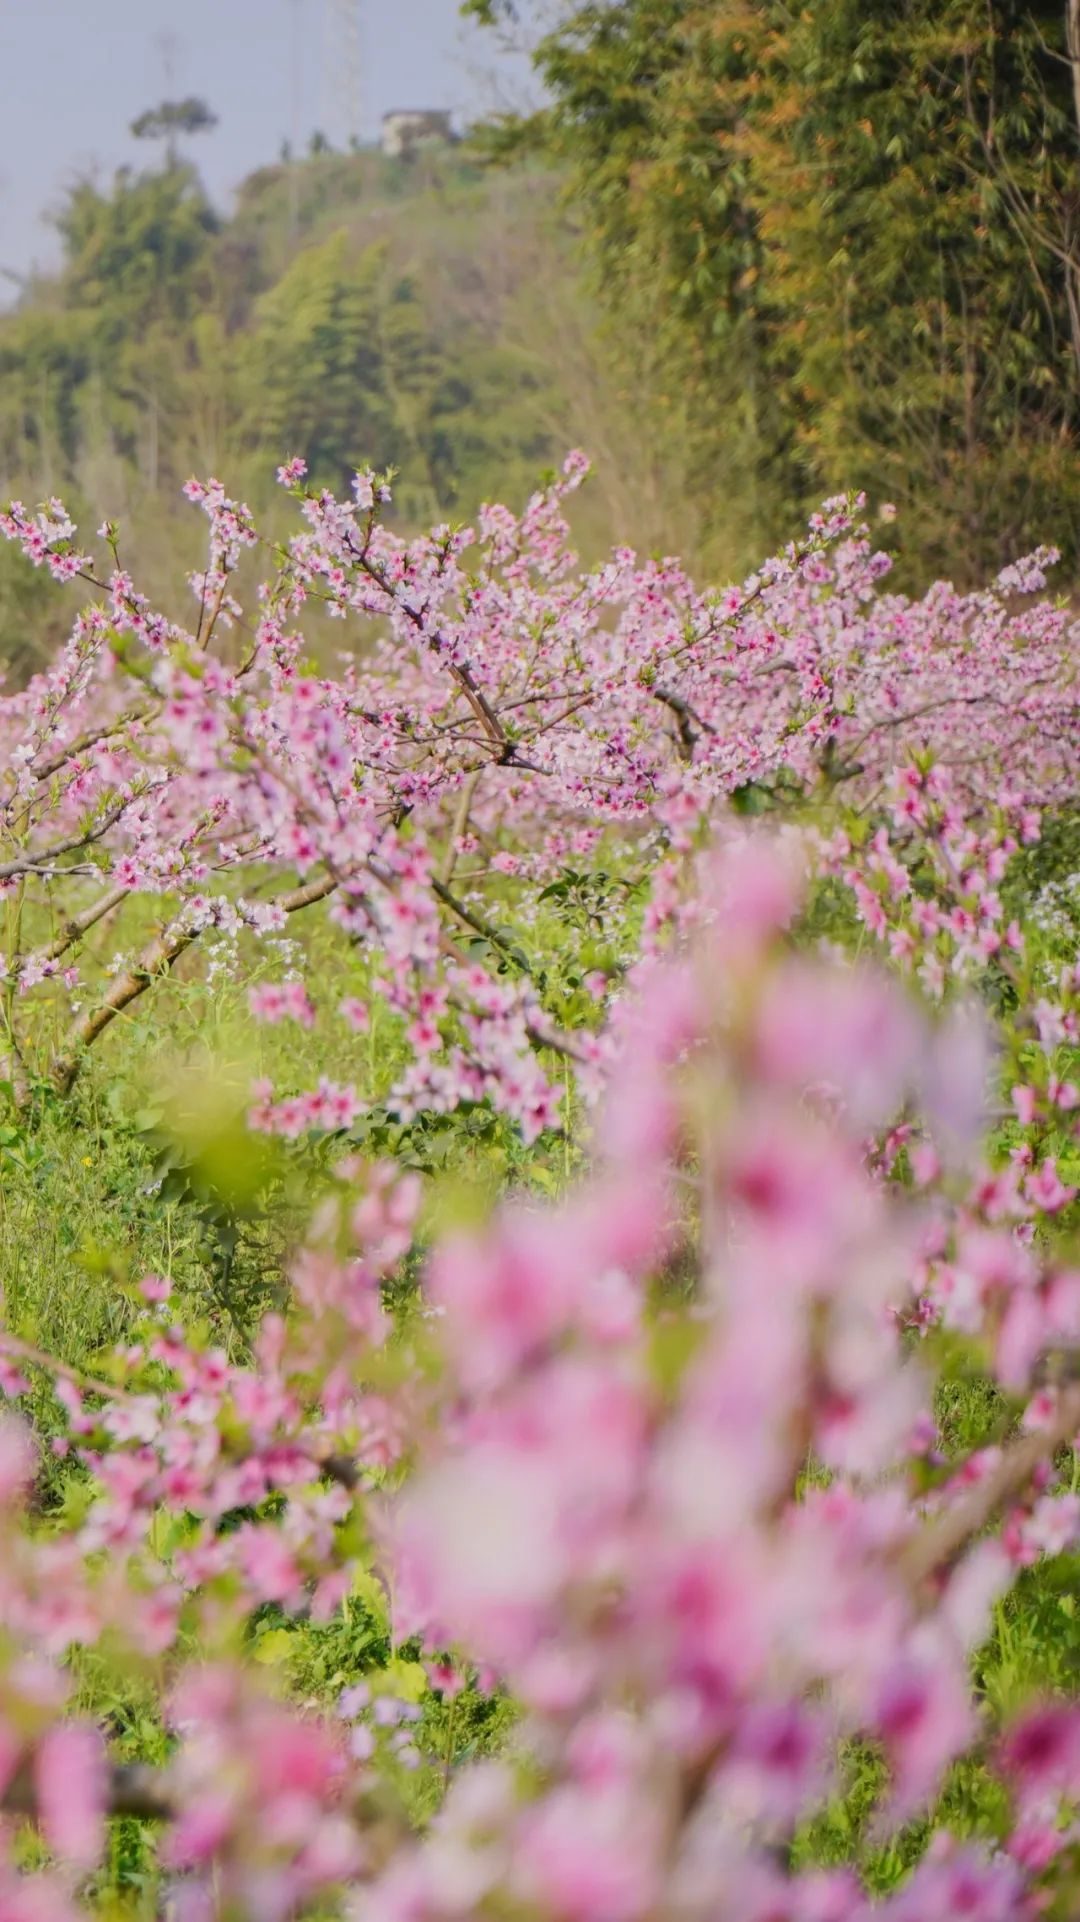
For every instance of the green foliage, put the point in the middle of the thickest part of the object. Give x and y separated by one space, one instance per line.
34 619
839 242
314 371
921 328
648 104
423 314
172 117
132 256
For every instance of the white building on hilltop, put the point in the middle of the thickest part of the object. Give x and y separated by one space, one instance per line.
409 128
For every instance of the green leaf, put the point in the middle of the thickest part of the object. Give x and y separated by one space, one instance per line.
368 1589
276 1646
407 1680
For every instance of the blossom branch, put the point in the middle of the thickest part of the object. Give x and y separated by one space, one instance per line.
157 959
935 1547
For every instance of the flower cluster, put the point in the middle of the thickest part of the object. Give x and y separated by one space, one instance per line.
660 1462
498 706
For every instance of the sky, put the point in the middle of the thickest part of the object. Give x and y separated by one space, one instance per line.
75 73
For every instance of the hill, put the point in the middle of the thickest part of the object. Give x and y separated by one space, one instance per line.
423 313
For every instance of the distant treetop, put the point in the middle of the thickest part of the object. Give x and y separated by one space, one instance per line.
170 118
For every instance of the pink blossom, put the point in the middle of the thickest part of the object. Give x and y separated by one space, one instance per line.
70 1780
1046 1189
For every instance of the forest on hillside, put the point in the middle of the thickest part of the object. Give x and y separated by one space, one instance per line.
422 314
746 262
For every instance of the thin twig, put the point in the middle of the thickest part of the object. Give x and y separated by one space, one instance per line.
937 1546
156 959
133 1789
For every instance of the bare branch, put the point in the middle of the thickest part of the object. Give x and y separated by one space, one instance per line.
157 958
472 918
689 723
460 823
42 769
133 1789
80 924
937 1546
41 864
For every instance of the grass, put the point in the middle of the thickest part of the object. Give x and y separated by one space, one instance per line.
147 1166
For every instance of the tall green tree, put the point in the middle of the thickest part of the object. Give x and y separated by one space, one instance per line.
136 255
922 339
171 118
646 108
137 273
315 379
837 238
